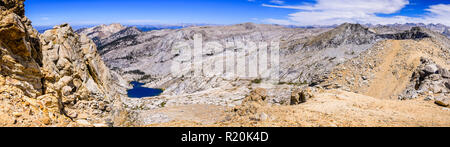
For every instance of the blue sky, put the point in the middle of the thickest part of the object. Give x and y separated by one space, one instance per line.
287 12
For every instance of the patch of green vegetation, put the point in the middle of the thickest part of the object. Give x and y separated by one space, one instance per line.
295 84
331 59
128 57
145 77
138 72
257 81
281 83
163 104
304 83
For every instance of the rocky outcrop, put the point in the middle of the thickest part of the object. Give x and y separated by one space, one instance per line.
251 106
53 79
20 74
447 32
398 28
430 80
414 33
299 96
75 73
443 101
20 50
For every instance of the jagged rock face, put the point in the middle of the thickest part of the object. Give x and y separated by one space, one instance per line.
52 79
19 49
74 72
414 33
20 75
97 34
13 6
397 28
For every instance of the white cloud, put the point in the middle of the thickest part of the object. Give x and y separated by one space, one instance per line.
329 12
280 2
438 14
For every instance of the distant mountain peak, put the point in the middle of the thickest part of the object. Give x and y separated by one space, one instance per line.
346 33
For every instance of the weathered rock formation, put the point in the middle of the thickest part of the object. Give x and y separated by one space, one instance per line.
53 79
251 106
299 96
75 73
431 81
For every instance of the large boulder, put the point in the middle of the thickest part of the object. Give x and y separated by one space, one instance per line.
431 68
445 73
258 95
443 101
252 104
299 96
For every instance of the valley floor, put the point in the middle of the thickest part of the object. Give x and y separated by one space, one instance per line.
332 108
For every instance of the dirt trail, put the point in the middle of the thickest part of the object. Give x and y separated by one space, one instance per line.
385 70
391 79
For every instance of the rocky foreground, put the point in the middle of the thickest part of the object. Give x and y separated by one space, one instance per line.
346 76
327 108
53 79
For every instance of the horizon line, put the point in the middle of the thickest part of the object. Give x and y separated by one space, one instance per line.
212 24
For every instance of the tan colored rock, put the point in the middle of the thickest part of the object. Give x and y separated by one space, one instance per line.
257 95
83 122
442 101
301 96
43 78
45 120
83 77
252 103
66 90
100 125
17 114
73 114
